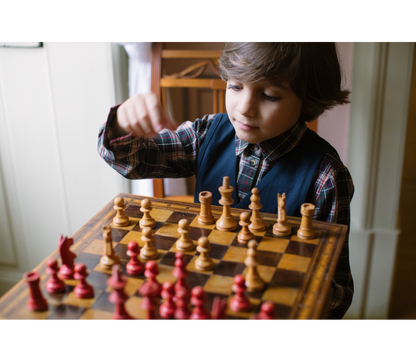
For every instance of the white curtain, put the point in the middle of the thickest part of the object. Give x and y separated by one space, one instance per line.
140 67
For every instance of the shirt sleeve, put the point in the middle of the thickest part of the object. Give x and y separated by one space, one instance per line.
332 193
172 154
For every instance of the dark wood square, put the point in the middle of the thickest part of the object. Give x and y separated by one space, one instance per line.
117 234
289 278
102 303
169 259
121 251
268 258
194 279
195 233
229 268
133 211
217 251
162 242
63 311
299 248
97 280
89 260
177 216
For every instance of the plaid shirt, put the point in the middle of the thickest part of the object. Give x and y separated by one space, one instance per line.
174 154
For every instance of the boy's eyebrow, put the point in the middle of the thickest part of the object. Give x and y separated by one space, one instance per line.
279 86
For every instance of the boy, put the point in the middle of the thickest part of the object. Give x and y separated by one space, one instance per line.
262 141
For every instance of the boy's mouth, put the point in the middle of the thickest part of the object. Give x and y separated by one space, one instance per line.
245 127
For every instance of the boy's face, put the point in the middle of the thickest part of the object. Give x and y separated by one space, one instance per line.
261 111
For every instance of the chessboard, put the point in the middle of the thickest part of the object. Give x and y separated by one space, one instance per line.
297 272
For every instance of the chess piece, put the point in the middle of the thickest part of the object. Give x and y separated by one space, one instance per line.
149 293
226 222
282 227
54 284
120 219
118 296
146 220
82 290
148 251
239 302
151 272
198 299
134 266
180 272
67 256
36 301
205 215
254 282
109 258
219 307
306 229
184 243
203 261
257 224
167 308
267 311
245 235
182 304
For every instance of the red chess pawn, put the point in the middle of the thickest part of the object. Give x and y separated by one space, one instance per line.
36 302
239 302
151 272
167 308
83 290
118 296
198 300
54 284
182 304
150 292
267 311
180 272
134 266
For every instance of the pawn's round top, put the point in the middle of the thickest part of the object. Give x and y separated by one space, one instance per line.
119 201
198 295
245 217
252 244
133 247
80 271
52 264
203 242
239 280
151 268
145 203
183 224
267 308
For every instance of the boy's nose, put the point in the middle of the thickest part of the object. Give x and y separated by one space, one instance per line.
247 105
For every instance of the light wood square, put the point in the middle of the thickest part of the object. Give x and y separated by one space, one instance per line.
196 224
133 307
96 247
191 266
133 236
165 274
273 244
221 237
96 314
174 249
71 299
169 229
219 284
266 272
133 222
236 254
281 295
160 215
294 262
314 241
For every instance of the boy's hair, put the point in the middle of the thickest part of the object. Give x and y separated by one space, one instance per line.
311 69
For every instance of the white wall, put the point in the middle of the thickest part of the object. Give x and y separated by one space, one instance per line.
380 99
52 102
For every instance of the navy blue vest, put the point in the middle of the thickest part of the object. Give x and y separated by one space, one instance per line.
292 174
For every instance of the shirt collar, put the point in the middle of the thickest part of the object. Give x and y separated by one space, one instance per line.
276 147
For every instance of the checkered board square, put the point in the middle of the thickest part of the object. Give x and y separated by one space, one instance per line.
296 272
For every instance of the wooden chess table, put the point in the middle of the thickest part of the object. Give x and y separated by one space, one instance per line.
297 272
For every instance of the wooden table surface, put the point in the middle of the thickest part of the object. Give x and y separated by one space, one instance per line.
297 272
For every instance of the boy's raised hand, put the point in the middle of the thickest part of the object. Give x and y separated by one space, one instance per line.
141 115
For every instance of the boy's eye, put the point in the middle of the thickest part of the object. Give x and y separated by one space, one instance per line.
270 98
234 87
